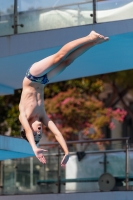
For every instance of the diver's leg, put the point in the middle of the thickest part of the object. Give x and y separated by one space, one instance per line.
49 63
69 59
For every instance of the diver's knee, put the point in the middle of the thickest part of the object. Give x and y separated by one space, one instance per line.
58 57
68 61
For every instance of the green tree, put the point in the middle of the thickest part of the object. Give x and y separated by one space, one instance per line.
3 115
9 113
121 84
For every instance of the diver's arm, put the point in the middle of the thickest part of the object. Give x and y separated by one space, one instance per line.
53 128
50 124
29 135
28 131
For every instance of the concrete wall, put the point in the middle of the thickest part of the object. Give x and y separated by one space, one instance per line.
75 196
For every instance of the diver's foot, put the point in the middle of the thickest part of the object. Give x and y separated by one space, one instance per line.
97 38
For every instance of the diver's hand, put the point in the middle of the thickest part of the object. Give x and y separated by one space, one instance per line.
65 160
39 154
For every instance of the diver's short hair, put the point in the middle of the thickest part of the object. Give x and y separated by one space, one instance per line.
23 135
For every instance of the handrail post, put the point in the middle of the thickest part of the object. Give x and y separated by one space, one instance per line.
15 17
59 182
1 177
127 147
105 162
94 12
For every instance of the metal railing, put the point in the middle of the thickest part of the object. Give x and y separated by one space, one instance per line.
15 24
59 181
59 154
66 15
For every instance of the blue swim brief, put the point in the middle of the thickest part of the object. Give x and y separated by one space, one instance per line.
41 79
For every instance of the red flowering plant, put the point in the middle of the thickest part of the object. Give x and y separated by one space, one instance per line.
74 111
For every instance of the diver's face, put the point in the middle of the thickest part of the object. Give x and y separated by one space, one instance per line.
37 130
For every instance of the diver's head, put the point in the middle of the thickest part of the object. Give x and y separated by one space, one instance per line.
36 127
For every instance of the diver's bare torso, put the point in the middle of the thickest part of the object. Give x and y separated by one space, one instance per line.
32 99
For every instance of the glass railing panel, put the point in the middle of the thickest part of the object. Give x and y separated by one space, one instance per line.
116 166
82 175
29 176
24 5
96 166
6 17
47 16
130 168
9 177
114 10
85 12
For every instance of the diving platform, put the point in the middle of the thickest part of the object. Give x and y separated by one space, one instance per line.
19 52
13 148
